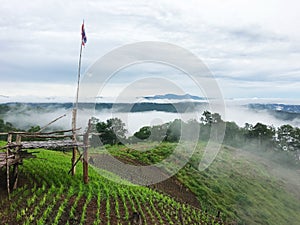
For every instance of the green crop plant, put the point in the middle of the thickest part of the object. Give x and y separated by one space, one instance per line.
140 210
88 199
63 205
98 220
107 208
78 197
117 207
122 195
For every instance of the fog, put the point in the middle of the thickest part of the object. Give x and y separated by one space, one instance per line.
24 117
241 115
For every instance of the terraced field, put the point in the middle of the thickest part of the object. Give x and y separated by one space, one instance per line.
48 195
244 187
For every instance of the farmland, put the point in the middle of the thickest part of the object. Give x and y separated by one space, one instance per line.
241 188
48 195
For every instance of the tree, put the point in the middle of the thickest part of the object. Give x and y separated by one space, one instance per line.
233 134
159 132
206 117
6 127
288 138
112 131
209 118
263 133
216 118
174 131
143 133
34 129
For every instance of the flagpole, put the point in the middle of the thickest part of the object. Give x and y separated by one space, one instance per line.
74 118
78 79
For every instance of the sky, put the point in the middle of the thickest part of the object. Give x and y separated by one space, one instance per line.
252 48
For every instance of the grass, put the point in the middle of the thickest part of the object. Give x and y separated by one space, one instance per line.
241 188
54 197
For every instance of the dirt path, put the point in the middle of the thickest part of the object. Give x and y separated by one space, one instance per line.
171 186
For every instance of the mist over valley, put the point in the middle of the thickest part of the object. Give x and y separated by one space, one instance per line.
156 111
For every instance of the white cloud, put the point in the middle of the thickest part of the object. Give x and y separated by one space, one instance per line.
245 41
37 92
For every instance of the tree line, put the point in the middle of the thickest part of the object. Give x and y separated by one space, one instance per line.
285 138
6 127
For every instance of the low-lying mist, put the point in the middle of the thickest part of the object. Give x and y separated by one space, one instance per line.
25 116
241 115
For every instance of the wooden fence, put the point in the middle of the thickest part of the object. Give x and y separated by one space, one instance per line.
16 150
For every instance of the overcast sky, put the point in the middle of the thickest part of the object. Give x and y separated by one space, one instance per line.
251 47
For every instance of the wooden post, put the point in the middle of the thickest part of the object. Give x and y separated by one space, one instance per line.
74 153
85 154
16 175
18 142
9 138
53 121
16 170
74 118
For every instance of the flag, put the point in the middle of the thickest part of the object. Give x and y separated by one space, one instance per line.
83 36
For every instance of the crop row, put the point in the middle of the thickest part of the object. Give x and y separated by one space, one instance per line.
54 197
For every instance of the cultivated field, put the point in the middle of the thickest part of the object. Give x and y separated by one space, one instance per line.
48 195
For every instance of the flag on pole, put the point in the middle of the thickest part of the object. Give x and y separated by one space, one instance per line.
83 36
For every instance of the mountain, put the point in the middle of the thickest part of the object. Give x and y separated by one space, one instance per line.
279 111
275 107
174 97
25 115
179 107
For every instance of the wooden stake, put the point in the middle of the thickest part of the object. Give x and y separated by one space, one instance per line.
16 176
53 121
75 163
85 154
74 154
9 139
18 142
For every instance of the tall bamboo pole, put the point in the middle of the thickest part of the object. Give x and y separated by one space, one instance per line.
85 154
9 139
74 117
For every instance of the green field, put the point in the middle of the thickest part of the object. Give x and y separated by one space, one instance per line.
246 188
50 196
242 189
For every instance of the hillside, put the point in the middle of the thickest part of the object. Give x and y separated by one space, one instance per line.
48 195
242 186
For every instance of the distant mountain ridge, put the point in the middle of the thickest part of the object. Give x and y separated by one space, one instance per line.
177 107
181 106
275 107
174 97
279 111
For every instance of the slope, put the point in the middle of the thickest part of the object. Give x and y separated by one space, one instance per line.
244 187
48 195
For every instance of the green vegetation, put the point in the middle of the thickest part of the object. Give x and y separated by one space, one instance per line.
238 184
51 196
242 189
283 141
112 131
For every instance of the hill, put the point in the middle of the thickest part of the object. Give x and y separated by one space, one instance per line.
245 187
48 195
242 186
174 97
